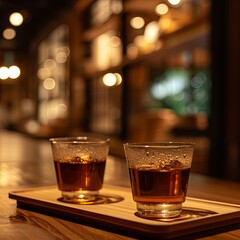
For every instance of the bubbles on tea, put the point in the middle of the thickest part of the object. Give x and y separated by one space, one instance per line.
84 159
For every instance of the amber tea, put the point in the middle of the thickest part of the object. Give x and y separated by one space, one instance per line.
159 174
75 175
159 186
79 165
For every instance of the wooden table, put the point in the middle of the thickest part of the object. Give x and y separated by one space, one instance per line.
16 223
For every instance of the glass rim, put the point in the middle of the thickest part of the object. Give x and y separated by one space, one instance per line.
159 144
79 139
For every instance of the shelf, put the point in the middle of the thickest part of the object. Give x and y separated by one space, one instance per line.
113 23
188 37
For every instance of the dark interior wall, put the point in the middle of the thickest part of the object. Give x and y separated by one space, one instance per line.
224 159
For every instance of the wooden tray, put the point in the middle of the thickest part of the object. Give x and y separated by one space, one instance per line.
118 214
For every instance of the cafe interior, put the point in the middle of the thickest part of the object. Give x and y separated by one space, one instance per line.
129 70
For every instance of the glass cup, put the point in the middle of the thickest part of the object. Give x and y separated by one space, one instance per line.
79 164
159 175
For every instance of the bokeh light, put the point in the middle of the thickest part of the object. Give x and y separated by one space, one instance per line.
16 19
14 72
137 22
4 73
161 9
49 83
9 33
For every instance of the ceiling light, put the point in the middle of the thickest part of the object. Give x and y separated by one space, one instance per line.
16 19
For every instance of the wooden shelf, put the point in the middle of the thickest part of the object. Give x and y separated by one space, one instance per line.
187 37
113 23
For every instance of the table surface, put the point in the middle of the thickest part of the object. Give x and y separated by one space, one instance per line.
26 162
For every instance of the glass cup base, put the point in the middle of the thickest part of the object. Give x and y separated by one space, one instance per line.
159 210
79 196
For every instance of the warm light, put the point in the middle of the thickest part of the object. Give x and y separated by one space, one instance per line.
49 83
7 171
115 41
116 7
4 73
118 78
109 79
62 54
9 33
161 9
52 109
32 126
137 22
50 64
107 50
132 51
43 73
16 19
151 32
14 72
174 2
167 24
141 44
101 51
62 110
103 39
56 109
61 57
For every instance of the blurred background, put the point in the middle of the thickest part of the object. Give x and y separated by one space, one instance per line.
134 70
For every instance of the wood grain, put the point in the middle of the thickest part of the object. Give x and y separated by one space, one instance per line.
204 215
27 162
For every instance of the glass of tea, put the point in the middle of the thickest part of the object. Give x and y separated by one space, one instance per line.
79 164
159 174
